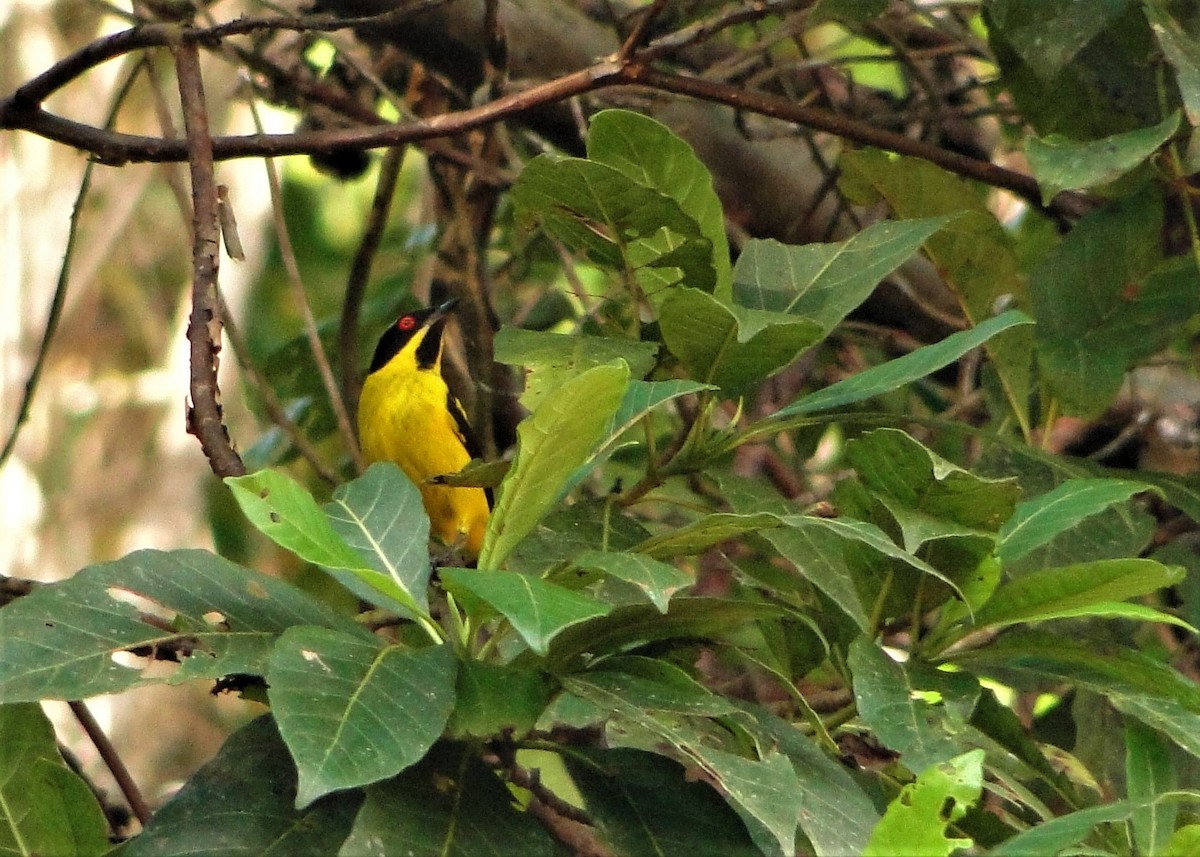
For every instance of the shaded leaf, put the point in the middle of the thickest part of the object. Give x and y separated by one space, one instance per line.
448 805
45 807
59 641
492 698
243 802
1060 164
701 534
1149 772
354 712
1183 53
539 611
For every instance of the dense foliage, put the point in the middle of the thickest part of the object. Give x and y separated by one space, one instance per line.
766 573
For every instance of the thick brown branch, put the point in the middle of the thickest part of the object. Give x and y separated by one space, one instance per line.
204 325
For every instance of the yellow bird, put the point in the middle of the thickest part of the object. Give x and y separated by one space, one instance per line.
408 415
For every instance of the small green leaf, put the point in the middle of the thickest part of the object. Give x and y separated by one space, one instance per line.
1071 590
354 712
1062 832
1061 164
651 685
60 641
243 802
286 513
916 821
658 580
45 807
539 611
1182 51
448 805
1039 520
552 443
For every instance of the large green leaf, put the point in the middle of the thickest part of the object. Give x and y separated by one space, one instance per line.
1060 833
1176 720
889 702
1039 520
243 802
552 443
1048 35
1075 590
973 253
494 698
649 153
45 807
650 684
1104 300
825 282
644 803
1062 164
353 711
617 221
703 533
60 641
539 611
392 576
448 805
916 821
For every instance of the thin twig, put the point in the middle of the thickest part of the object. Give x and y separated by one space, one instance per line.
204 417
112 759
64 273
360 273
640 29
320 358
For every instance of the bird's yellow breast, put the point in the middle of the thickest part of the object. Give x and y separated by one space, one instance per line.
403 417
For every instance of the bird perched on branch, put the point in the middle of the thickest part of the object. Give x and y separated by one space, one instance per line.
408 415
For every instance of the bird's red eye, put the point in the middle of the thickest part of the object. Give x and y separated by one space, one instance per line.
406 323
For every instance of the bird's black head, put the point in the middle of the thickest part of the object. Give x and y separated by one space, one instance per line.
428 322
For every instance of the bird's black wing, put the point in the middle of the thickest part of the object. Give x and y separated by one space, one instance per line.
467 434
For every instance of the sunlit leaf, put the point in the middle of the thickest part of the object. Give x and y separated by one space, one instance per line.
916 822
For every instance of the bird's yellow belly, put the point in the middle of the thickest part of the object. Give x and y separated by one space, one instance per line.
405 420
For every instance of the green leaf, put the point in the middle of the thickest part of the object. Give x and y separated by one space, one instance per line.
552 359
539 611
1149 772
60 641
649 153
894 374
1059 163
1048 36
825 282
618 222
658 580
45 807
916 821
651 685
243 802
354 712
448 805
893 463
643 803
1182 51
1107 670
289 516
703 533
1071 590
1104 301
1062 832
1186 840
552 443
732 347
625 626
1039 520
492 698
973 253
888 702
1168 716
